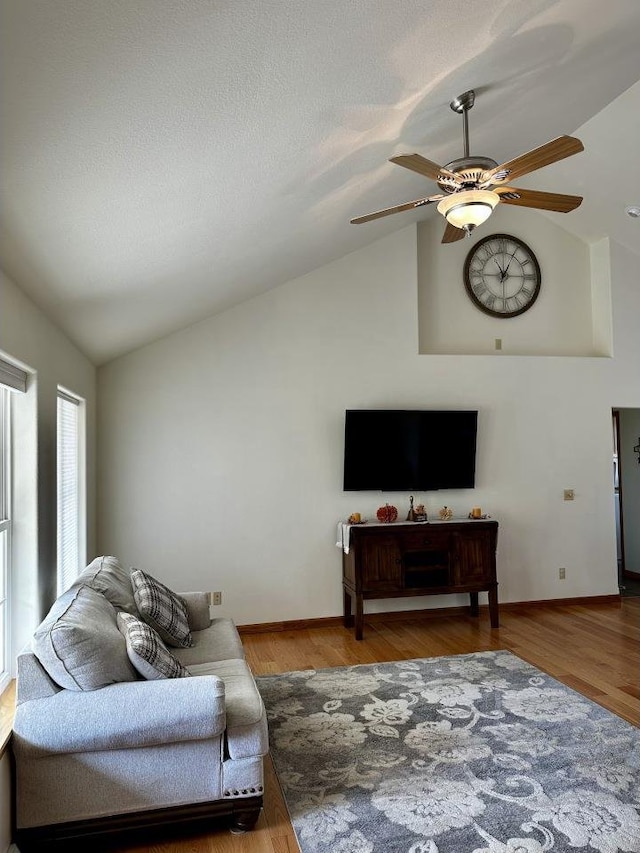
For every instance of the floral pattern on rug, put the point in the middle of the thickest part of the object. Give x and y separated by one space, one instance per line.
476 753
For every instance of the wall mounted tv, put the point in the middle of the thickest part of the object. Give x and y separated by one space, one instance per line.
393 450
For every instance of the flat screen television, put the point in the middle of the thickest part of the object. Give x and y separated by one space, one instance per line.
394 450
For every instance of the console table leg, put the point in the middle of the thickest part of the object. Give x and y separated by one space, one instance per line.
493 608
475 608
359 617
348 616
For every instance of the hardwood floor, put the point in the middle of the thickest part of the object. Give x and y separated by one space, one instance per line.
593 648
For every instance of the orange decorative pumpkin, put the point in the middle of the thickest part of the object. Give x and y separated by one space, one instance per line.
387 513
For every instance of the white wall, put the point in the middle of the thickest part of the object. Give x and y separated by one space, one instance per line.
561 320
28 336
221 445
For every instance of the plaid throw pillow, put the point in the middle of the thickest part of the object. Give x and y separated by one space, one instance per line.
146 651
162 609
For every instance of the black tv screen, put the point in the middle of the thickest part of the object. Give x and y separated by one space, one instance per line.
406 450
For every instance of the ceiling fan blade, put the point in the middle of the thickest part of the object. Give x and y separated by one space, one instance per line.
543 201
409 205
451 234
551 152
418 163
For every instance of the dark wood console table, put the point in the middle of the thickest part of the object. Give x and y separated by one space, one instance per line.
433 558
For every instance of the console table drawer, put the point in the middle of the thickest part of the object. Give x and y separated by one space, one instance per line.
425 540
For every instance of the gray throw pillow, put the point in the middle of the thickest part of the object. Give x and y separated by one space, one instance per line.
78 642
148 654
161 608
106 575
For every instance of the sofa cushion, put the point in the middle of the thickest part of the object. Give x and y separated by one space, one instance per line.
246 732
106 575
161 608
220 641
148 654
197 609
79 644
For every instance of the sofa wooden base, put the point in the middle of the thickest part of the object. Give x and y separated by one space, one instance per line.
105 833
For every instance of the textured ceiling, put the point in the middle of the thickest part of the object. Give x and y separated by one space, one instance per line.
163 160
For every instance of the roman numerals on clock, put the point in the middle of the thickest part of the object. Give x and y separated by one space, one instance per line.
502 276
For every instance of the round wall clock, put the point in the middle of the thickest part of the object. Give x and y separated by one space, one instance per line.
502 276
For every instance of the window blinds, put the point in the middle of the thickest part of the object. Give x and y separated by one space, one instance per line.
12 376
68 490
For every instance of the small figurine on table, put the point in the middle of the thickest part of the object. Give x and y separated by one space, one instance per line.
420 513
387 514
411 516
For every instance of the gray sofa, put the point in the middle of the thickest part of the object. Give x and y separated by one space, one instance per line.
99 750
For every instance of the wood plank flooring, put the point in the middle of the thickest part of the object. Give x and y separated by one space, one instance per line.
593 648
7 710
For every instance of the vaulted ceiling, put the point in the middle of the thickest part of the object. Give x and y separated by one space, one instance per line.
163 160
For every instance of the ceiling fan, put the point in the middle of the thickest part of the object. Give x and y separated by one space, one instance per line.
472 186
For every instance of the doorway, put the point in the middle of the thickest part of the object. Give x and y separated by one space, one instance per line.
626 495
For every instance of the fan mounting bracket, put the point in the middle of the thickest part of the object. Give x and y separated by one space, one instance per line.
463 102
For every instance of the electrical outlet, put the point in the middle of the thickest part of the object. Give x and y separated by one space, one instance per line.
569 494
562 573
215 598
498 343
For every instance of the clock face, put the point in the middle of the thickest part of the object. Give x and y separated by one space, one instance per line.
502 276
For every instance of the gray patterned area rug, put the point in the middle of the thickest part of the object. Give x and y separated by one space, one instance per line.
476 753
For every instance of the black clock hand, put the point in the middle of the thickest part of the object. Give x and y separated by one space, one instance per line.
503 272
510 259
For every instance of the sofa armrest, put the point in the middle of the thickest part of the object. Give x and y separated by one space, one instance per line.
121 716
197 609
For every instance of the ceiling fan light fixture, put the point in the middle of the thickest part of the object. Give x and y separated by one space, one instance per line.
469 208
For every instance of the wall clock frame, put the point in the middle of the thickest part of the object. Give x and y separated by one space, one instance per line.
502 276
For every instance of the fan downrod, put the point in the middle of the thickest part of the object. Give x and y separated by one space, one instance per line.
462 104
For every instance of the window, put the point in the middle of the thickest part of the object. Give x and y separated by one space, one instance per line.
70 465
12 379
5 534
